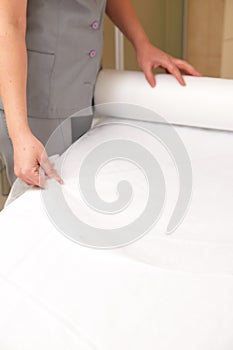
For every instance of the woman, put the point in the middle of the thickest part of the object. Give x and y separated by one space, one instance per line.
51 75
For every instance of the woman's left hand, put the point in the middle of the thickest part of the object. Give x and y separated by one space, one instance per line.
150 57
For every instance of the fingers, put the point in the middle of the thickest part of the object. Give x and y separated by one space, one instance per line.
35 178
152 57
149 75
38 179
187 68
169 66
175 66
31 162
172 69
31 177
49 170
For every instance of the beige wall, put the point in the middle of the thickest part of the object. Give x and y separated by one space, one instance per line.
209 45
227 47
108 56
209 33
163 22
204 35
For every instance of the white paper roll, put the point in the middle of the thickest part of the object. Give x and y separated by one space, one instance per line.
204 102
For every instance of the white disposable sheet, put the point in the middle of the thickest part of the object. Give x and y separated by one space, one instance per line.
204 102
162 292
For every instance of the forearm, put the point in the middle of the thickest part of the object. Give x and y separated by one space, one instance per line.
13 77
123 15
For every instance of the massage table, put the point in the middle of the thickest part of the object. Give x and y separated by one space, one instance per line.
163 291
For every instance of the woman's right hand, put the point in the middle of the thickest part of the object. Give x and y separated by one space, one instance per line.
29 156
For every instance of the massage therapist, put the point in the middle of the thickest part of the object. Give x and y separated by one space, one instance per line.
49 60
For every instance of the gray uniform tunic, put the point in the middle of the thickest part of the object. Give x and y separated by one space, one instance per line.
64 42
64 45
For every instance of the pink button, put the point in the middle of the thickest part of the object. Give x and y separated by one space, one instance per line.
95 25
92 53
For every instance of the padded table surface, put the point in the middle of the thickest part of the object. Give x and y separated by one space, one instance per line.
161 292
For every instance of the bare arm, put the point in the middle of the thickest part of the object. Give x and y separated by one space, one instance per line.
29 153
13 65
122 14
